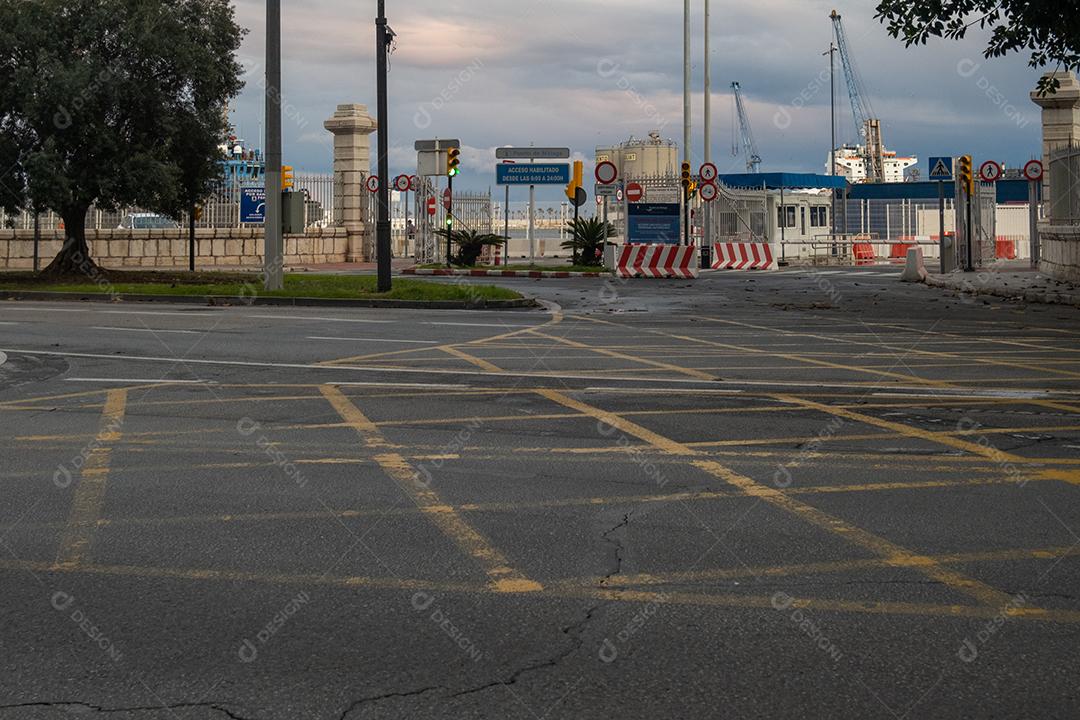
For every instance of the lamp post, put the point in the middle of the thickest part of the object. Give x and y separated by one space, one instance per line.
383 36
273 274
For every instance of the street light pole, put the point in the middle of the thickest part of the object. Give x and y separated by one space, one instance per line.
273 273
832 125
708 90
382 225
686 80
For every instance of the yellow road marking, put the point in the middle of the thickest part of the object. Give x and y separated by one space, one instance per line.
89 494
783 355
482 364
622 356
816 568
912 350
890 551
907 430
503 577
746 602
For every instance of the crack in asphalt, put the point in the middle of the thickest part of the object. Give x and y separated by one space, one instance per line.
83 707
386 696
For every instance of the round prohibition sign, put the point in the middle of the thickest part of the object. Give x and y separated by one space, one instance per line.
402 183
709 173
990 171
373 183
708 191
1033 171
606 173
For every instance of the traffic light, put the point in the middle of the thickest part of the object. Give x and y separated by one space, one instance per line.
576 181
286 177
686 177
453 161
967 175
198 212
693 189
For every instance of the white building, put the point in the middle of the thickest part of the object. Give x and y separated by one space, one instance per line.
851 164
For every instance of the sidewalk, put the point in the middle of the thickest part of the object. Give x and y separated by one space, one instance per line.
1010 282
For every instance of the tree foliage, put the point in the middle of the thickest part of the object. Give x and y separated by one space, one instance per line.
587 238
470 244
1049 29
110 103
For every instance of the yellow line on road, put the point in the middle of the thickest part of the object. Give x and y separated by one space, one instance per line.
417 486
886 549
691 372
907 430
482 364
815 568
688 599
89 495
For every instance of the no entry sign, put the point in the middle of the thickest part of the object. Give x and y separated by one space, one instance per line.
432 206
634 192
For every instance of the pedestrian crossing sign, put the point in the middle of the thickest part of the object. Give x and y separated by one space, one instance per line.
941 168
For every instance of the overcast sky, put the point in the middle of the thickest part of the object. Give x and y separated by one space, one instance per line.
582 73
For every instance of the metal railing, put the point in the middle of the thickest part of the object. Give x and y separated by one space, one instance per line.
220 210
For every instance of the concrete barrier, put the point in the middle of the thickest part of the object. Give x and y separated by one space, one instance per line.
657 261
744 256
915 271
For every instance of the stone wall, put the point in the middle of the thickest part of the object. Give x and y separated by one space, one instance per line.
220 248
1060 252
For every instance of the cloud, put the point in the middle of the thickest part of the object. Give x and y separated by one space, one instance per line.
584 73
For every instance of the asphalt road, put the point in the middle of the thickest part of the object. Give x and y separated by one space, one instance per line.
750 496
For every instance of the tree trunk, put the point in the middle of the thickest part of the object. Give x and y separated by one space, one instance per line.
191 238
74 257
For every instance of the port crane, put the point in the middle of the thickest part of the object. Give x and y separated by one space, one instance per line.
743 136
866 121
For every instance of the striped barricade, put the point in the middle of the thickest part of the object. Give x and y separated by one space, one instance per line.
657 261
743 256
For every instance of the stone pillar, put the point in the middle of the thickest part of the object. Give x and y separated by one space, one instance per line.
352 127
1060 120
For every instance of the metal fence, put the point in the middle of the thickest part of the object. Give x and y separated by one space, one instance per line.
1065 186
220 210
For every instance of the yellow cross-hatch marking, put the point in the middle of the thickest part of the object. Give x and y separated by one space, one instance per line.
89 495
503 577
892 553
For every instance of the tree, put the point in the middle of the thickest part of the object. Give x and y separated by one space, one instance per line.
470 244
111 103
1050 29
587 239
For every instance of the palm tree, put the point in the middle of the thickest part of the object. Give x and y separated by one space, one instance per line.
470 244
587 239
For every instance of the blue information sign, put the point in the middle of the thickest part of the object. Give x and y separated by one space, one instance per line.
941 168
654 223
253 205
532 174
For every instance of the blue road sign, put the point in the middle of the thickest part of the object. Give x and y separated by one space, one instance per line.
654 223
941 168
532 174
253 205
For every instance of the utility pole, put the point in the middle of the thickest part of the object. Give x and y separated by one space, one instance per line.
273 250
383 35
686 80
708 90
832 125
706 237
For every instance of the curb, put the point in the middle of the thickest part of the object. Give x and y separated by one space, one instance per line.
233 300
1033 296
502 273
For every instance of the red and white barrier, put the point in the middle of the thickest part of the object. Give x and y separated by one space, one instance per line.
743 256
657 261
